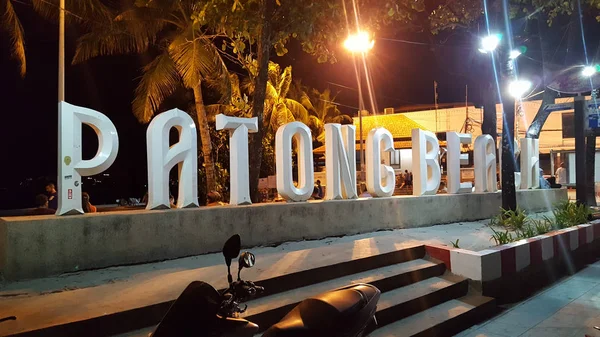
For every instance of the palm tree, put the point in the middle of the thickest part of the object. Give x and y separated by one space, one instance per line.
11 24
321 108
186 56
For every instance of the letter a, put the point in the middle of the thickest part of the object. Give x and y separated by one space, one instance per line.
485 164
530 163
70 166
162 158
340 161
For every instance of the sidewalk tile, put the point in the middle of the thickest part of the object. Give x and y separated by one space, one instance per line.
561 320
504 329
551 332
479 333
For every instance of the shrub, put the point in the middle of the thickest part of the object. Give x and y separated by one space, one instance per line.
509 219
542 226
501 237
528 231
568 214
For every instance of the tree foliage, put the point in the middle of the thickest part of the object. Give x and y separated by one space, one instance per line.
185 56
78 10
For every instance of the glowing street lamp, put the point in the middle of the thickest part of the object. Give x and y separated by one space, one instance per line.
360 42
589 71
518 88
490 43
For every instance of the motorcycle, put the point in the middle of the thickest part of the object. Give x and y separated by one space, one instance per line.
202 311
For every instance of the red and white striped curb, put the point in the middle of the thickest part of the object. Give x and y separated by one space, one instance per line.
504 260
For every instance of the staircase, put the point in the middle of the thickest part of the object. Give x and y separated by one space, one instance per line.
419 298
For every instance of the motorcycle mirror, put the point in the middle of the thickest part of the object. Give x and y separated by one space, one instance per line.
231 249
246 260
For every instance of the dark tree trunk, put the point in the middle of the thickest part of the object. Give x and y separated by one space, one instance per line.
489 127
509 196
590 162
260 87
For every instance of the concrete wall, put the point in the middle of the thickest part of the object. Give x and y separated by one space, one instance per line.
48 245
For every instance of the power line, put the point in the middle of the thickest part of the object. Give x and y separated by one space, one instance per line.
354 89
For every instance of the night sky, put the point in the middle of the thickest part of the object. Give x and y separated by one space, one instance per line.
402 73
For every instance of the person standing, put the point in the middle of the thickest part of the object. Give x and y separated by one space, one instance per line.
561 174
52 196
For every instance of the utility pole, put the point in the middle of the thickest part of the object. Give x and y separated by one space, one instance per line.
61 52
435 98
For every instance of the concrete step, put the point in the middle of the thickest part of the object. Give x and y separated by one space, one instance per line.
405 301
420 287
445 319
131 318
269 310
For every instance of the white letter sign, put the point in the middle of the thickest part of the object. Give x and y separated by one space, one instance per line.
530 163
376 171
485 164
455 159
283 159
238 155
162 158
426 166
340 161
71 167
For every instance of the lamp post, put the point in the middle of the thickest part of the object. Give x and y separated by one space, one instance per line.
359 43
513 89
61 52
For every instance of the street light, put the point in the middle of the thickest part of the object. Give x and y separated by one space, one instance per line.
518 88
490 43
589 71
360 42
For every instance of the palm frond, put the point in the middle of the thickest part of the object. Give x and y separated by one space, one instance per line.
297 110
12 25
118 39
342 119
285 80
271 92
88 12
145 18
160 79
281 115
213 110
274 71
196 58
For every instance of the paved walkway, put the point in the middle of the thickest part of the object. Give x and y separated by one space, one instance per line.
569 308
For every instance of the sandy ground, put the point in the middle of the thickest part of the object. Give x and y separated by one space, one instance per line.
471 235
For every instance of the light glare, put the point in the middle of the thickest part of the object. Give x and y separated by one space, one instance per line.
588 71
518 88
490 43
359 43
514 54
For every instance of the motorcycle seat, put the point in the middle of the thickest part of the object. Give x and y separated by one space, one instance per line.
325 313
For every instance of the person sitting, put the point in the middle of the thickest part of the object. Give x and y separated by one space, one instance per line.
172 201
443 188
214 199
41 203
86 205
